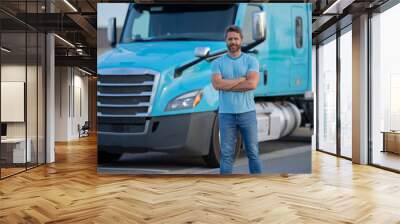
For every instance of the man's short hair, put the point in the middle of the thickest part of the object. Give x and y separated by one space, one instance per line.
233 28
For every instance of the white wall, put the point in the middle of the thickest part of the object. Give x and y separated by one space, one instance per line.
62 82
12 73
70 83
80 94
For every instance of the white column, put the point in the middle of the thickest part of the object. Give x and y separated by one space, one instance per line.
360 90
50 94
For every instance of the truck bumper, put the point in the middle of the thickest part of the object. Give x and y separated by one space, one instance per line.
187 134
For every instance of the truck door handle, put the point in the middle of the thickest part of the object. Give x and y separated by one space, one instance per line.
265 77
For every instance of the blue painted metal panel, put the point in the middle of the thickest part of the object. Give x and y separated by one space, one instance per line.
288 67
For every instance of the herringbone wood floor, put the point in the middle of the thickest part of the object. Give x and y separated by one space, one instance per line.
70 191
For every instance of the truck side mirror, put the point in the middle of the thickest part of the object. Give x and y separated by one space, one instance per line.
259 26
201 51
112 31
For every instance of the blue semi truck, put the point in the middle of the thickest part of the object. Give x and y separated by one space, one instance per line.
154 85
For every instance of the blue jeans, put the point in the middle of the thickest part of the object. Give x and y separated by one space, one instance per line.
229 125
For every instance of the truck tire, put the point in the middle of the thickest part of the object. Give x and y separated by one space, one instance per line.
212 160
104 157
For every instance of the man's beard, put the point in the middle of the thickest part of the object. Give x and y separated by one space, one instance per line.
233 48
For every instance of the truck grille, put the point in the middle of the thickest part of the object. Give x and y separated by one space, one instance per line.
124 101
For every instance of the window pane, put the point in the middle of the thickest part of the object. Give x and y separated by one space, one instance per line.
386 88
22 88
13 86
168 22
31 97
346 94
299 32
327 97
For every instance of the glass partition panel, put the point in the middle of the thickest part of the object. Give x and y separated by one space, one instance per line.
327 96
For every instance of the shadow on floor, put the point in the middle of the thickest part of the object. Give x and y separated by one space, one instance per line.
277 157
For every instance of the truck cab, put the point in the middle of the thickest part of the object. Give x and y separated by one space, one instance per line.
154 86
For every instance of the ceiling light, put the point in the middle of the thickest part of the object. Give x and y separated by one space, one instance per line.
70 5
64 40
5 50
79 51
338 6
86 72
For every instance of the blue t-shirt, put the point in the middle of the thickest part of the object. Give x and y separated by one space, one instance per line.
234 68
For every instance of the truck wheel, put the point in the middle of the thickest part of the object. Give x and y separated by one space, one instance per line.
104 157
214 155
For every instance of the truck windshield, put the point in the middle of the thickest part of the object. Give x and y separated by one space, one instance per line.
177 22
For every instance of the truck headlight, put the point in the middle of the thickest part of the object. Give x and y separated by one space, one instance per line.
185 101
